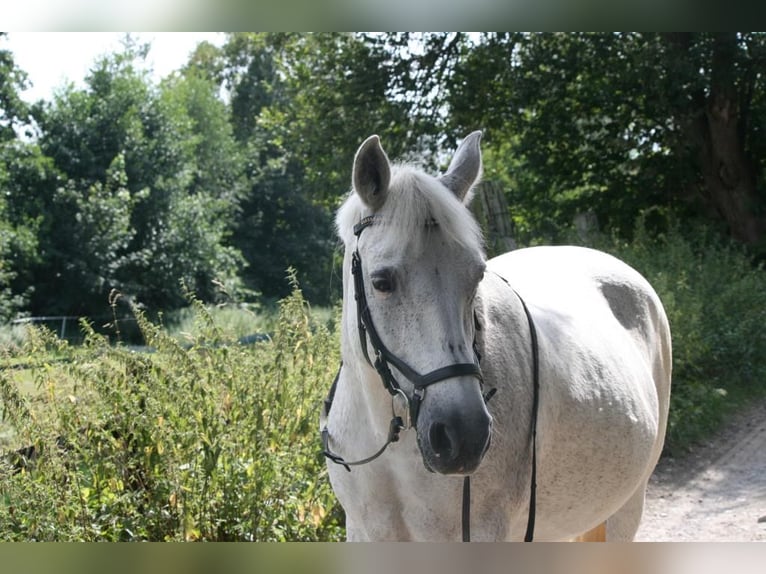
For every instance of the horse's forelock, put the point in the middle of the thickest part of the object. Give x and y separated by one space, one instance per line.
414 201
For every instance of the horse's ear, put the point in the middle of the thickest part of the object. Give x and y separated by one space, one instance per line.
465 168
372 173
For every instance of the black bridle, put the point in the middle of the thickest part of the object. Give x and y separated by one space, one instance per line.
384 357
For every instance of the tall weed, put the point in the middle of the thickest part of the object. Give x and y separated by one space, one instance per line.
211 440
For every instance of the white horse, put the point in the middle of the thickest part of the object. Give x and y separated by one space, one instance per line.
445 327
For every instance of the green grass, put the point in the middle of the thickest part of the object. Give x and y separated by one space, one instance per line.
235 320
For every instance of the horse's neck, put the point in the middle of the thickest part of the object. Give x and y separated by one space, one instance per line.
362 389
503 340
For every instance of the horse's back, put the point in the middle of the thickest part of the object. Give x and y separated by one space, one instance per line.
605 374
564 272
580 282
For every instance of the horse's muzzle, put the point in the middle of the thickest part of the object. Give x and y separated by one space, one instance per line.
454 442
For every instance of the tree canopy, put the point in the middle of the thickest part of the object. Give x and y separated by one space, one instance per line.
617 123
227 172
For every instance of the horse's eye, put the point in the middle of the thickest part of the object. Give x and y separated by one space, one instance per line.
383 282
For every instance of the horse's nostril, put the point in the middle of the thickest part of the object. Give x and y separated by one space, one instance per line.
453 445
440 440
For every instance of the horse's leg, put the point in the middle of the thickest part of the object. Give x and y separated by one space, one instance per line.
597 534
623 524
354 534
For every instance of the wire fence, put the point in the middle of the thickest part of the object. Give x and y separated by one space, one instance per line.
67 327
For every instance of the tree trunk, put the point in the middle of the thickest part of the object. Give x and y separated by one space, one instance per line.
491 210
716 133
728 177
727 172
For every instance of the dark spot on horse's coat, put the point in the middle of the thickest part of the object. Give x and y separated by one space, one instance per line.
623 302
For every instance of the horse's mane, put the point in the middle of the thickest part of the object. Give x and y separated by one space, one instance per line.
415 201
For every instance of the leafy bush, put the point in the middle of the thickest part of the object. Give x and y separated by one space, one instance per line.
213 441
715 298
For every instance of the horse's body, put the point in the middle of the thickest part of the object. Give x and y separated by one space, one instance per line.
604 372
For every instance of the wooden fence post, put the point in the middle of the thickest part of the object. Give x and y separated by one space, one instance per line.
490 208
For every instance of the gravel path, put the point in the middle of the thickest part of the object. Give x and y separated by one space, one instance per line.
717 492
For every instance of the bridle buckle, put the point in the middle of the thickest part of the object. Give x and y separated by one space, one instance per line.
400 407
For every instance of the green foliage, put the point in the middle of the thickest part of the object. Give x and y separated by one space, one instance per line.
94 224
18 239
13 110
613 123
282 221
280 225
12 241
715 299
210 441
153 179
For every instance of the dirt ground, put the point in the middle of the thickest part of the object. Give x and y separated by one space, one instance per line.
717 492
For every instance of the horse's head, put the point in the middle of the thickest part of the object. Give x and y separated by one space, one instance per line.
420 263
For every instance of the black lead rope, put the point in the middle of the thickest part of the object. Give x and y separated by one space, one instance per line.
394 427
467 509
